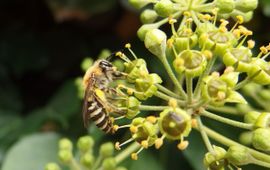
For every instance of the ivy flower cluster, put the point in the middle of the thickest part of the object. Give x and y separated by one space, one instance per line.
208 62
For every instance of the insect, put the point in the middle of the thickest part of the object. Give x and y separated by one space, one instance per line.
96 106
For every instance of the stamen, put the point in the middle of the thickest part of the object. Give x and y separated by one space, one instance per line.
118 145
152 119
183 145
159 142
134 156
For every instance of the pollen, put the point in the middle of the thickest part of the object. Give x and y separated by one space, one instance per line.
128 45
240 19
170 43
133 129
208 54
221 95
194 123
117 146
172 103
158 143
115 127
134 156
187 13
172 21
264 50
119 54
145 144
251 44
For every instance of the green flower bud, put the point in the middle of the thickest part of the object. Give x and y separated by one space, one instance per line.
246 16
106 150
191 62
260 71
132 104
139 3
225 6
205 27
217 160
185 40
240 58
121 168
119 65
145 131
87 62
52 166
175 123
251 88
239 155
145 29
246 5
218 41
246 138
146 86
85 143
65 144
243 108
65 156
164 8
135 69
148 16
263 120
261 138
155 42
251 117
109 164
87 160
265 94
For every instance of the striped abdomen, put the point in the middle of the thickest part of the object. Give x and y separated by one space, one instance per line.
98 114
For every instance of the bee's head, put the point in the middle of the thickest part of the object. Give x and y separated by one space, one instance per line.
105 65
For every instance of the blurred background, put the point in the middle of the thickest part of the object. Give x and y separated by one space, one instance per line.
42 46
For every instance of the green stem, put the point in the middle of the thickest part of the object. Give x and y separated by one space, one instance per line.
152 108
242 83
189 84
205 7
74 165
204 135
228 142
261 102
126 152
261 163
167 91
172 76
227 121
195 18
204 74
97 163
224 109
168 98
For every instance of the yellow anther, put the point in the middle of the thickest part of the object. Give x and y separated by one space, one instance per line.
237 33
207 17
130 91
145 144
251 44
208 54
187 13
133 129
194 123
152 119
158 143
172 21
172 103
215 11
128 45
221 95
117 146
215 74
229 70
224 22
115 127
240 19
264 50
182 145
189 20
170 43
134 156
179 62
119 54
223 29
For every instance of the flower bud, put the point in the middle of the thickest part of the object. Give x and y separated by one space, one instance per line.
205 27
225 6
87 160
243 108
135 69
251 117
148 16
240 58
65 144
251 88
106 150
261 138
85 143
155 42
239 155
65 156
87 62
175 123
109 164
121 168
215 161
265 94
246 138
52 166
184 40
164 8
260 71
145 29
139 3
246 5
191 62
263 120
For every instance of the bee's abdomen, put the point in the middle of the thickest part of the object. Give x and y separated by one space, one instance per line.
98 115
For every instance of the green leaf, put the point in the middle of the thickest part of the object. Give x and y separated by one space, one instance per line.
32 152
195 151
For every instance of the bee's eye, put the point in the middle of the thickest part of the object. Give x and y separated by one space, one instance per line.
105 64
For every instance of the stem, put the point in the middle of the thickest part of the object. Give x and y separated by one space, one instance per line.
172 75
242 83
204 74
167 91
152 108
261 163
227 121
125 153
228 142
224 109
261 102
97 163
204 136
195 18
189 84
168 98
205 7
74 165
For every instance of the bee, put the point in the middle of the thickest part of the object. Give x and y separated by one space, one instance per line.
97 106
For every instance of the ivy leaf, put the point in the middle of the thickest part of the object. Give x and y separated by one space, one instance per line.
32 152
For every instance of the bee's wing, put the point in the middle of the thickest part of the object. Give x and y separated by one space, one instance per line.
88 94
